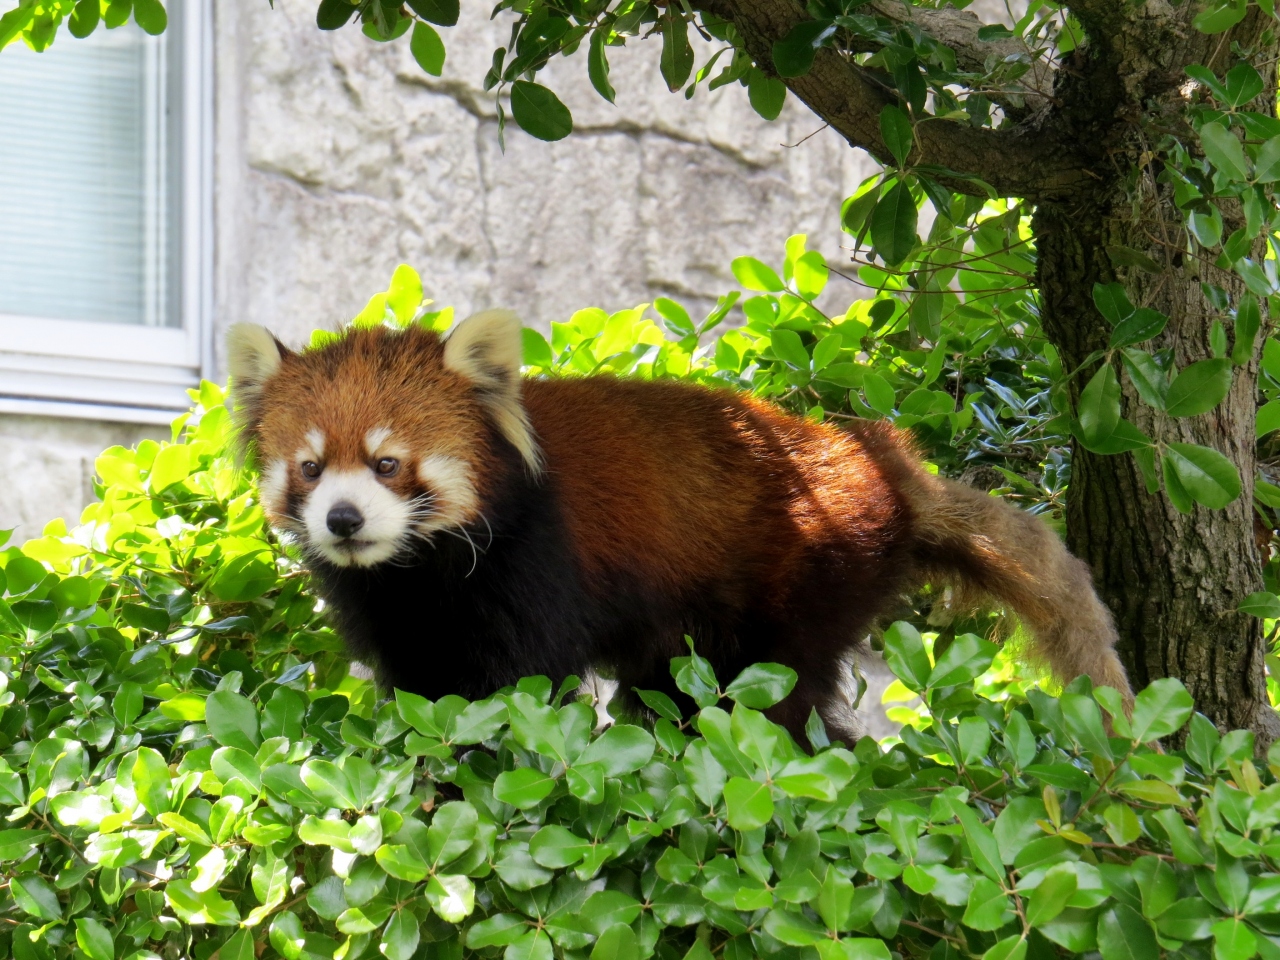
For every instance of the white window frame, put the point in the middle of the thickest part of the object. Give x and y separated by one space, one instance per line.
129 373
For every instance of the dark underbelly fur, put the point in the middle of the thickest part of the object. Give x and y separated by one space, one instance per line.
450 621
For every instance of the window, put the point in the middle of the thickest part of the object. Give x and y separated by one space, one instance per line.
104 251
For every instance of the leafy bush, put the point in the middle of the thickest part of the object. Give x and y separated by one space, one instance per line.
188 769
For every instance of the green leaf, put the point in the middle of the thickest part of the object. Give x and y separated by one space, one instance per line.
1199 388
145 617
1233 940
402 862
95 939
499 930
186 829
1220 15
768 94
618 942
1112 302
905 654
126 706
477 722
1142 325
989 908
400 937
659 703
880 395
792 929
1189 919
557 847
428 49
151 781
1263 605
1010 948
36 897
606 907
539 112
598 65
451 897
442 12
1161 709
677 56
230 763
1084 722
762 685
749 803
150 16
452 831
621 749
1050 898
523 787
1206 226
789 348
1248 322
329 784
1151 382
1124 935
172 464
1099 411
232 720
811 275
84 20
1157 884
1123 256
793 54
1152 792
1208 477
967 657
534 945
755 275
855 210
899 136
893 224
1224 151
1267 169
331 15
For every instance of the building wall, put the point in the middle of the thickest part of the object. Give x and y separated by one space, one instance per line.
47 466
337 158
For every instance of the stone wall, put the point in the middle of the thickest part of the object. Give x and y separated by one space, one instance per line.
339 158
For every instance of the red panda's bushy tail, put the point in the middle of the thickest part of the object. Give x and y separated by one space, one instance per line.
979 544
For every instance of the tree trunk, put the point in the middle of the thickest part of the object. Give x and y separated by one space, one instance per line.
1084 146
1172 581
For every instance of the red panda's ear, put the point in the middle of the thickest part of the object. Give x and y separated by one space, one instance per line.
487 348
253 355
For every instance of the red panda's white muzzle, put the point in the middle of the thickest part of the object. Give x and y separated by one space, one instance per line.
351 519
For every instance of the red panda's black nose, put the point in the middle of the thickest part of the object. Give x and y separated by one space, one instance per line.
344 519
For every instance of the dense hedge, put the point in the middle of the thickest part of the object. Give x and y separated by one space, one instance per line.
188 769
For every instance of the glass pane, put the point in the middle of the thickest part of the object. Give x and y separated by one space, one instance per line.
85 213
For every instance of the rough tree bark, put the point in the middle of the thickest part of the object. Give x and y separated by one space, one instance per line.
1173 582
1080 150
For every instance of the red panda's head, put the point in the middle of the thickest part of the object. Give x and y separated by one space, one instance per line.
381 437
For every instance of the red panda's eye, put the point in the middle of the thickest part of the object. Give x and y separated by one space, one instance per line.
388 467
310 469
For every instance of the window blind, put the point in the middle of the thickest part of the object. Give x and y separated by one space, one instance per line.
85 206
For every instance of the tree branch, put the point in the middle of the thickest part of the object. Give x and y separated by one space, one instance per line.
958 29
1016 161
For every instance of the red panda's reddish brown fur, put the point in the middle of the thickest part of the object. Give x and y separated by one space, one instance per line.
664 507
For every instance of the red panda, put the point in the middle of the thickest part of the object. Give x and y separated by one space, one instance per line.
468 527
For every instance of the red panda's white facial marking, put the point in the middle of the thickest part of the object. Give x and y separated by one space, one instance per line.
453 500
352 519
273 487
